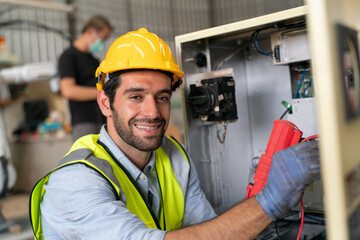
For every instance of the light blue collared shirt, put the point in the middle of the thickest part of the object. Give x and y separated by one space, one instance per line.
80 204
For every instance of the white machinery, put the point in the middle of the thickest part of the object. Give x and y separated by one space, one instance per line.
241 77
28 72
15 75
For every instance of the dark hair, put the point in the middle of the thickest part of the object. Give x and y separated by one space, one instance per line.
98 22
110 88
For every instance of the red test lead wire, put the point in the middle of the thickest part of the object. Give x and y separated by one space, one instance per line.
302 204
302 220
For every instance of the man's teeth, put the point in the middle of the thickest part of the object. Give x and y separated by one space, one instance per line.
146 127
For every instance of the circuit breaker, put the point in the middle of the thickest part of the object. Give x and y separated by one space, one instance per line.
213 100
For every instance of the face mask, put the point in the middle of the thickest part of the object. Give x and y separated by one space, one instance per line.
97 46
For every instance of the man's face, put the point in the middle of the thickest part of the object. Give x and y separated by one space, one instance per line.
142 109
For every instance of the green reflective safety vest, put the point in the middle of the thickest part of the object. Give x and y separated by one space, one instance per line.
172 174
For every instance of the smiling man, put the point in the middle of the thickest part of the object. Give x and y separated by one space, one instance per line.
132 182
140 113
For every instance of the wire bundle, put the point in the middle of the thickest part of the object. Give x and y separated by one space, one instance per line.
301 81
295 27
255 45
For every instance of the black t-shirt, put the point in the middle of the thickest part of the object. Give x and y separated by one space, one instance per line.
81 66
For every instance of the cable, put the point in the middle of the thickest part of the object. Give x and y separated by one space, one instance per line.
227 59
302 220
315 219
297 26
294 72
301 81
298 88
304 93
295 31
302 204
254 42
277 230
304 84
311 137
224 127
287 110
300 24
259 49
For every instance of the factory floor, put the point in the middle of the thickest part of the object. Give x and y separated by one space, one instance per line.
14 218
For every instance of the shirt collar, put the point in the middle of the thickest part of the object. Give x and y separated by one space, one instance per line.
120 156
150 166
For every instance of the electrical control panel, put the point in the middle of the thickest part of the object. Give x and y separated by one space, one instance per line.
300 65
239 79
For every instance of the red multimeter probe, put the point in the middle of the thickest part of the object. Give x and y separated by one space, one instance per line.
283 135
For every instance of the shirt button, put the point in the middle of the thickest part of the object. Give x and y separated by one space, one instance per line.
142 177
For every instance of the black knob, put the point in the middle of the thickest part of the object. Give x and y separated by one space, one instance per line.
200 60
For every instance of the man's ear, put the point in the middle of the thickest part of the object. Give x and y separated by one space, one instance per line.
104 103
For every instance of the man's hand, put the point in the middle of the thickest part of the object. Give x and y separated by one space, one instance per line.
291 171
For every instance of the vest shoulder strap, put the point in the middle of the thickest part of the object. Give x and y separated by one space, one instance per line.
103 165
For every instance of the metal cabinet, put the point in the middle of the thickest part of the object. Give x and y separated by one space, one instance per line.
286 57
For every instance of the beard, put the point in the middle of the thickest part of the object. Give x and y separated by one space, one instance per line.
126 133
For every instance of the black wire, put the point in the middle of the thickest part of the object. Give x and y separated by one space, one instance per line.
284 113
37 25
300 24
253 41
277 230
284 225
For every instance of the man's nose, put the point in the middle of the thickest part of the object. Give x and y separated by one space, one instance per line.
150 108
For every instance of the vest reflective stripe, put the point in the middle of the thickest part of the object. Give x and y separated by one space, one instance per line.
79 156
87 151
103 166
170 188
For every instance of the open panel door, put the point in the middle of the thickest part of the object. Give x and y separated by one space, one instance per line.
334 39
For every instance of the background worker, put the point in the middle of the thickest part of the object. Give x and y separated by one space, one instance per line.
131 182
77 65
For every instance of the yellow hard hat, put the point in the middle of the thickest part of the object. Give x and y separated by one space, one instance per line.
138 50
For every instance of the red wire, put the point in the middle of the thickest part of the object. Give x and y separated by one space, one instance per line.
295 74
311 137
302 220
302 204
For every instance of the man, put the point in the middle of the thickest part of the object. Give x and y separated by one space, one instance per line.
131 182
76 67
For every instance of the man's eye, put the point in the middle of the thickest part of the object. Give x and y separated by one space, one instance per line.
163 98
135 97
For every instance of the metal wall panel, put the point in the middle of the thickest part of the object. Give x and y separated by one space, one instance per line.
165 18
27 39
233 10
